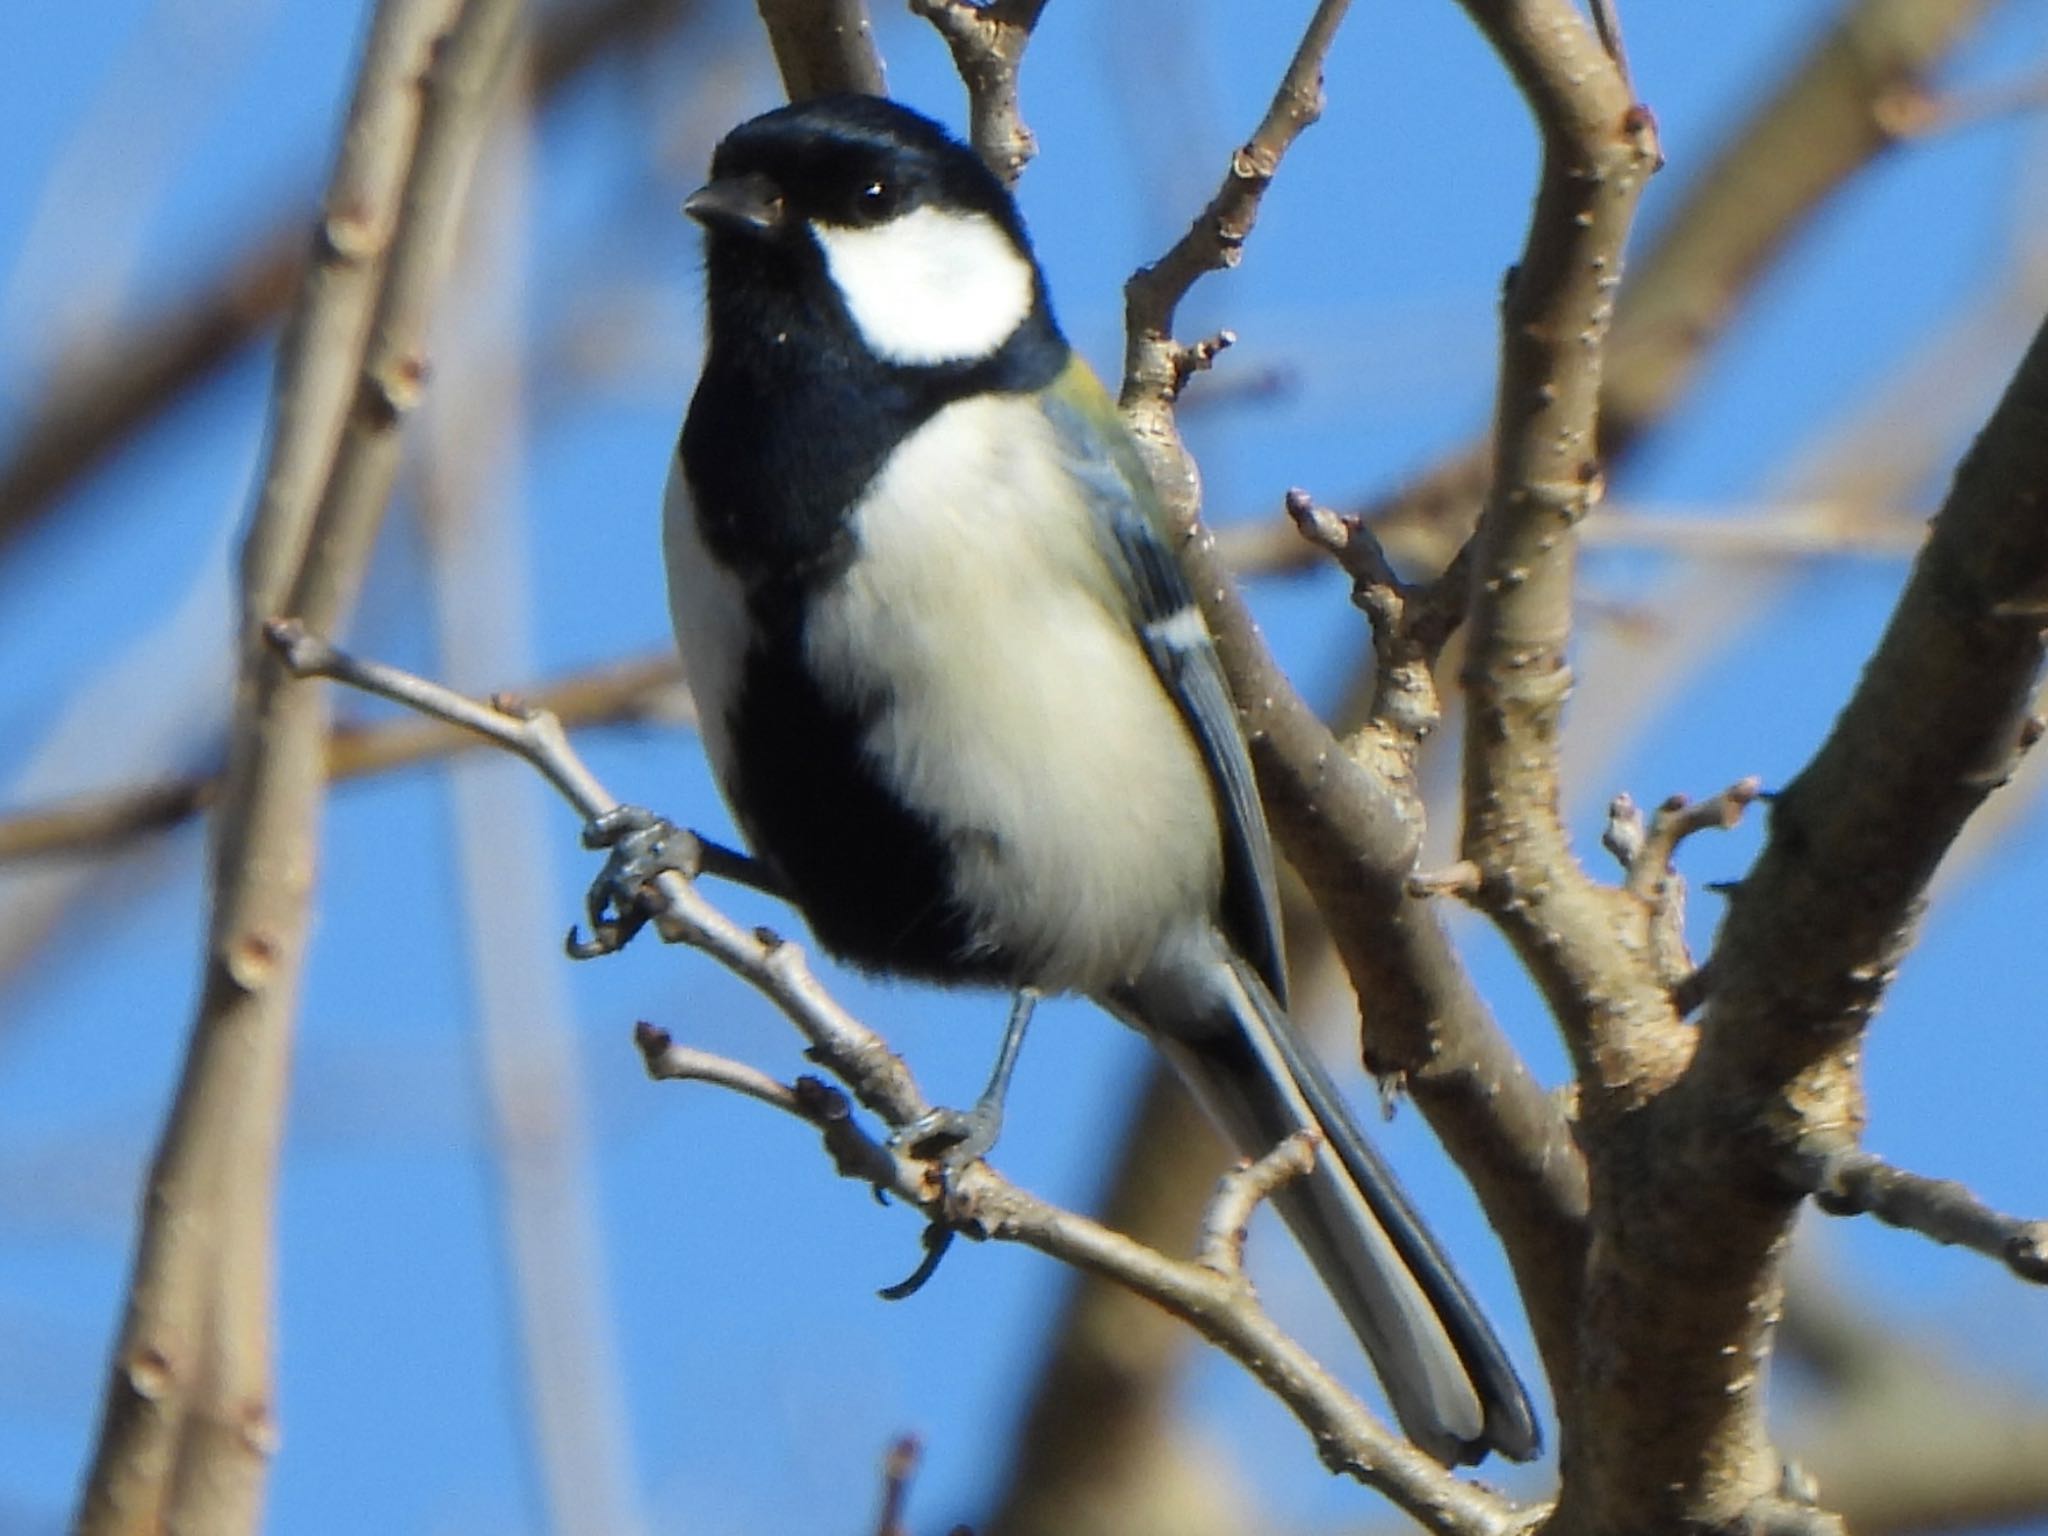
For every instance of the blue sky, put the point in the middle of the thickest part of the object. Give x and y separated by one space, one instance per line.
761 1377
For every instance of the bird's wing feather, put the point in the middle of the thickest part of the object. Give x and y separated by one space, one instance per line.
1168 623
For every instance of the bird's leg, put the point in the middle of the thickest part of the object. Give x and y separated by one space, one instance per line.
954 1137
643 846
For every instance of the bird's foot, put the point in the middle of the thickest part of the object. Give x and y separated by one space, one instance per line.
953 1138
643 847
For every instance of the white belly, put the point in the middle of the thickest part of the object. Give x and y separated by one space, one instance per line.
1020 713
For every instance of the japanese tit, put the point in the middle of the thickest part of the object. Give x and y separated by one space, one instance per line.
959 698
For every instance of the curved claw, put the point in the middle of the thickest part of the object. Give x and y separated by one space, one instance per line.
938 1237
643 846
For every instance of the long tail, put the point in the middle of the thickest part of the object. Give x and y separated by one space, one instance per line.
1449 1380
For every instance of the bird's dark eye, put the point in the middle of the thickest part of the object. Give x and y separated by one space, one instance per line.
877 200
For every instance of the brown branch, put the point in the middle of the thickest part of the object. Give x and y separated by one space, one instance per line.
187 1422
1410 624
97 404
823 46
1599 148
1705 1185
1347 814
1832 117
898 1468
1645 848
1939 720
1156 367
1824 124
1242 1191
987 41
1846 1182
1215 1299
622 693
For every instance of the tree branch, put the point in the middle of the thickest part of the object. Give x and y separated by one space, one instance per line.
623 693
1599 149
1211 1294
1347 814
1700 1189
987 39
187 1422
823 46
1847 1182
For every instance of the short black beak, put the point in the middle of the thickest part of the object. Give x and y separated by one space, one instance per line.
742 205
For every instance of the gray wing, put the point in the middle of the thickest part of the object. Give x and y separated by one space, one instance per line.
1170 626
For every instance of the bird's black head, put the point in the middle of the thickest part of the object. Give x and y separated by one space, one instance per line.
863 271
855 229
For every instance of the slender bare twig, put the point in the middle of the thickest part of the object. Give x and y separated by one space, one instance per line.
822 46
1598 150
1786 531
899 1466
977 1199
1645 848
1157 367
1848 1182
187 1422
1243 1190
1346 813
1410 624
686 1064
618 694
987 39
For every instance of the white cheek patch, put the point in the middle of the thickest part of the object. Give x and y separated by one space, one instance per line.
930 287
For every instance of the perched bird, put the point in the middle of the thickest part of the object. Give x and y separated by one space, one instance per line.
957 694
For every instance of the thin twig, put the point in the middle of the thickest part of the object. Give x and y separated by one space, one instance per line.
623 693
987 39
1156 367
1849 1182
1346 813
1242 1191
976 1199
187 1424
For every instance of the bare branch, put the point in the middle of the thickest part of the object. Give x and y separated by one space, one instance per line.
1242 1191
1410 624
623 693
1678 818
1348 814
823 46
977 1199
898 1468
1942 714
1156 367
187 1423
1598 150
987 41
1848 1182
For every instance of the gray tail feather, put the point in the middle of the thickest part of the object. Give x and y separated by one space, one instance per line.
1446 1374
